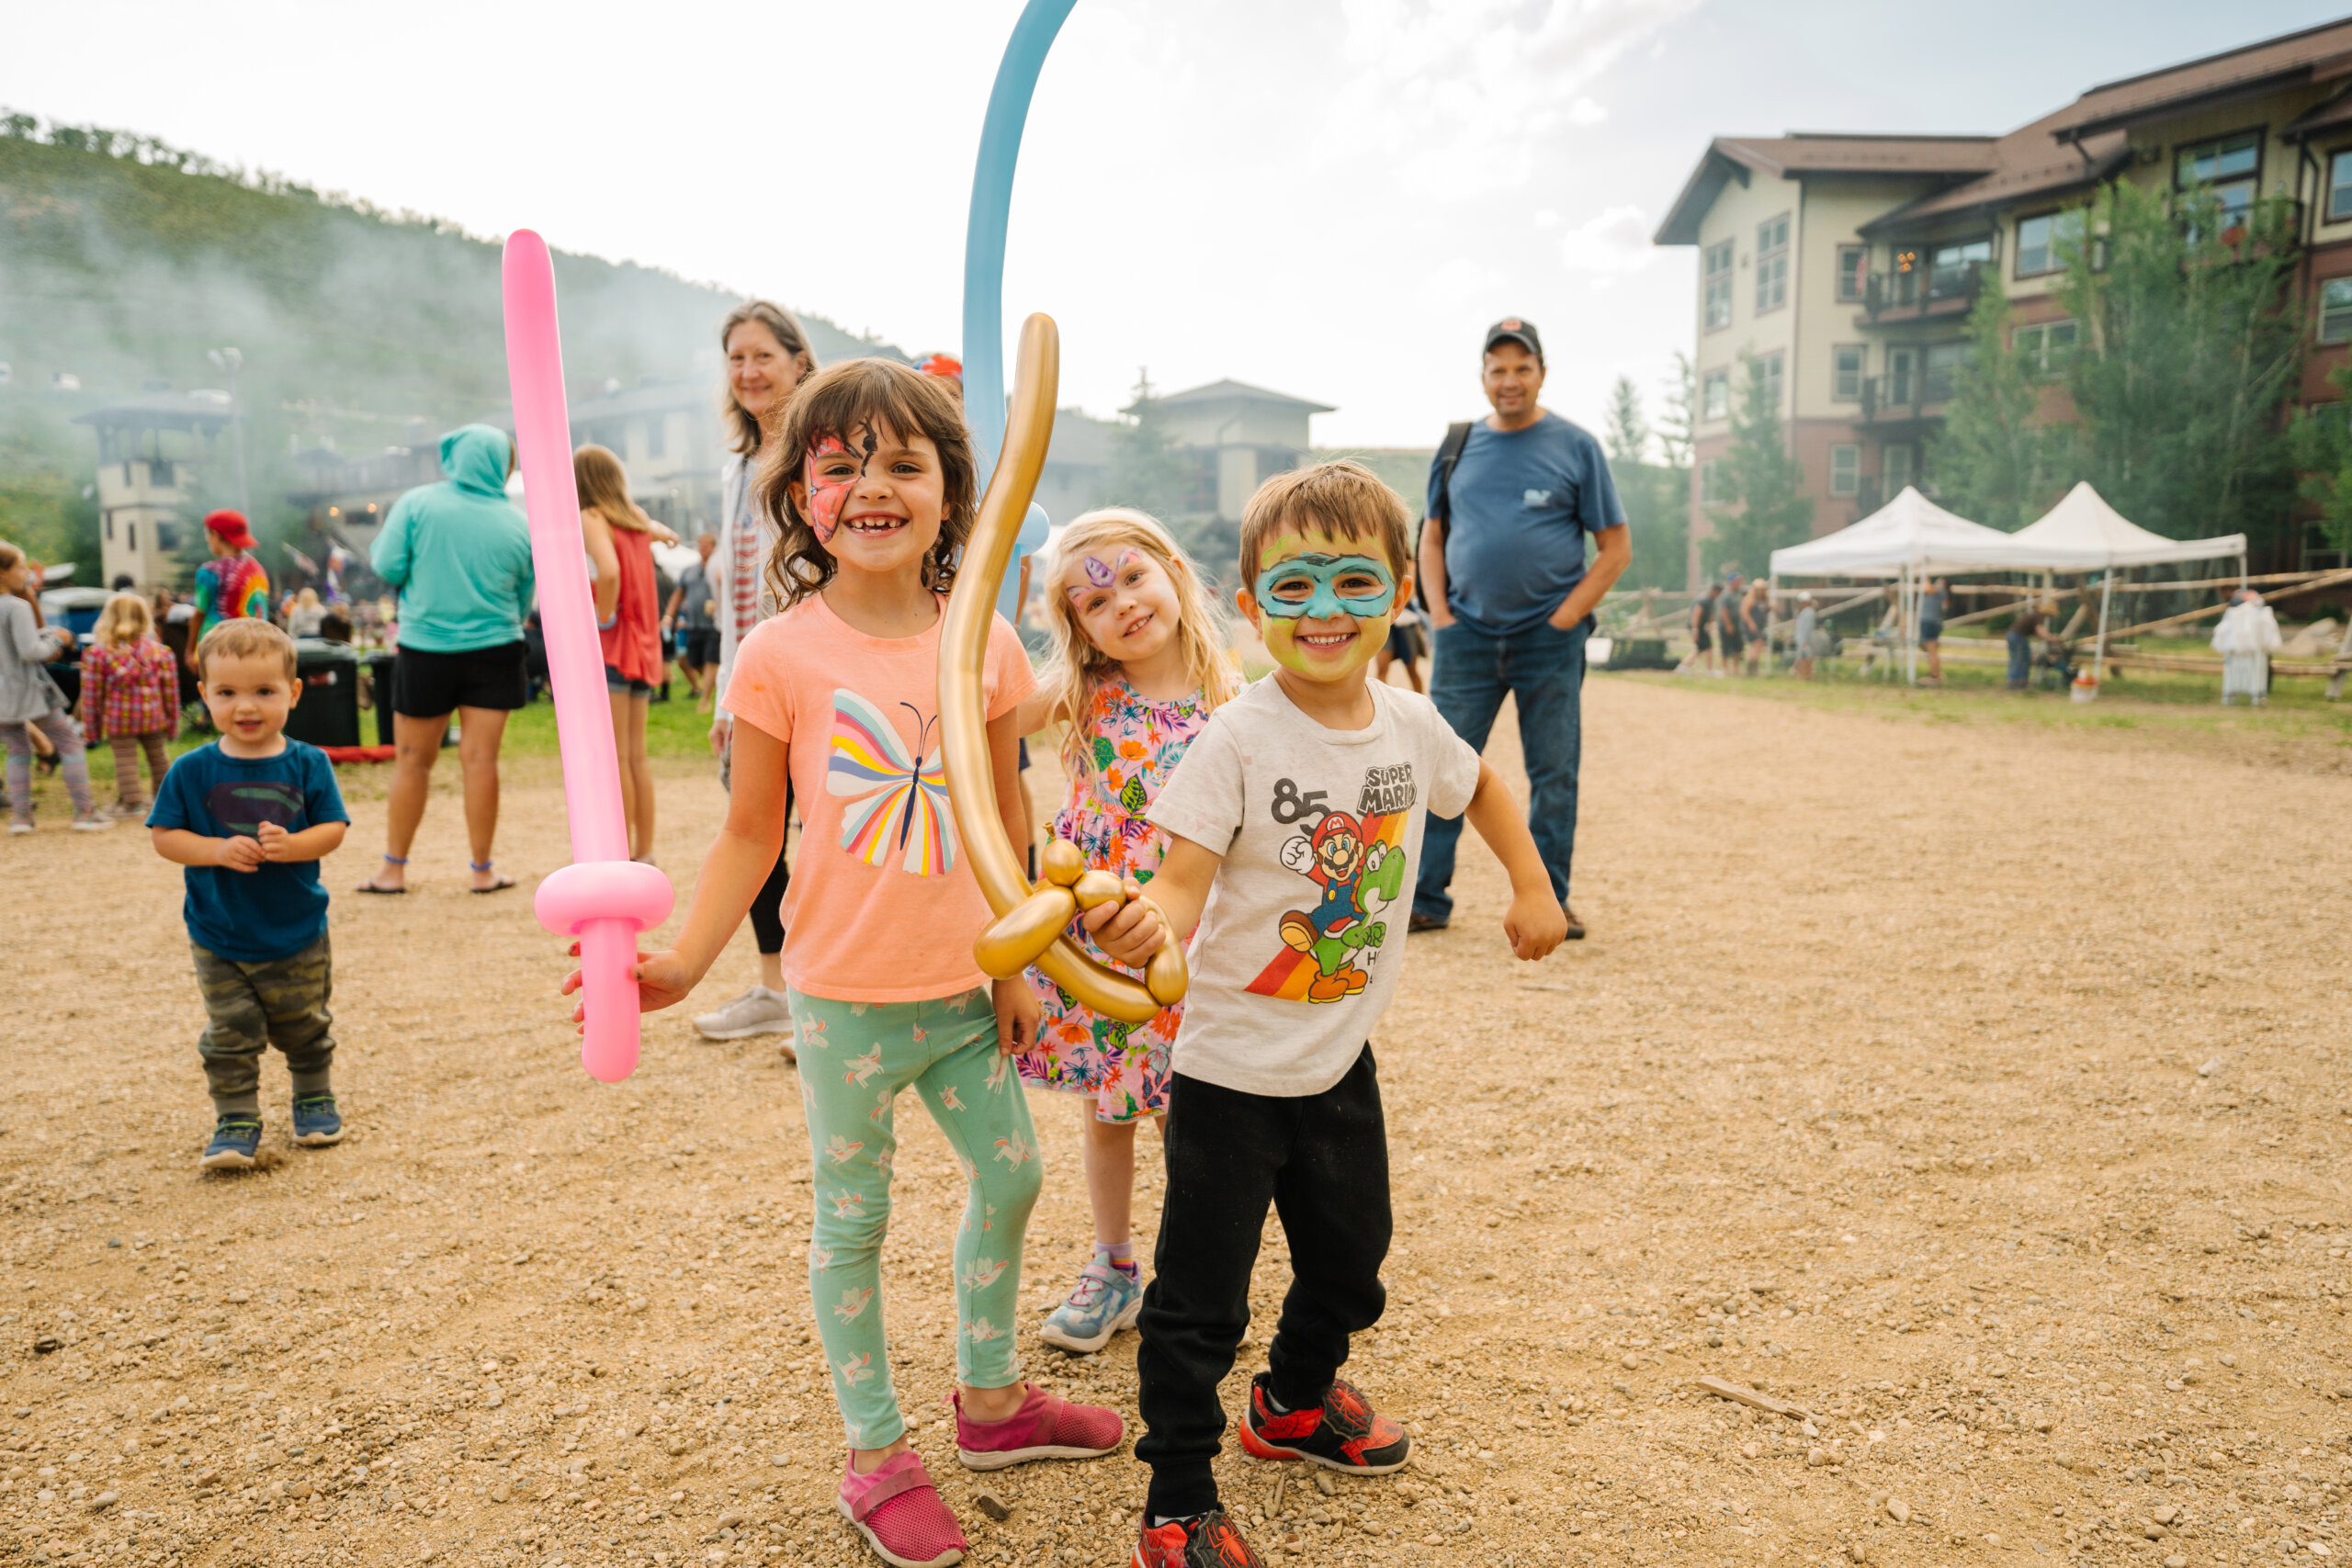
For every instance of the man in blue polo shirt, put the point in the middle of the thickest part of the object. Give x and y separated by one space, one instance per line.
1511 590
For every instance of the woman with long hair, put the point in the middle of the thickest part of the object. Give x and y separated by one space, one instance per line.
767 357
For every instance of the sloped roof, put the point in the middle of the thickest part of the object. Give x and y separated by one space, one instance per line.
2029 161
1229 391
2074 147
1819 153
2322 54
166 411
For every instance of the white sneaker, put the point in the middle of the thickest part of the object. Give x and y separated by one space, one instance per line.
92 824
757 1011
20 827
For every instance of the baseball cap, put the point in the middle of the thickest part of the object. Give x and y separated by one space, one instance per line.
945 365
1511 329
231 527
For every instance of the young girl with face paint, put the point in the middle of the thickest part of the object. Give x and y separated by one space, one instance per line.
1141 665
1301 804
871 477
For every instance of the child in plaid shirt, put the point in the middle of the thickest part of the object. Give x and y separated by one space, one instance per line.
130 696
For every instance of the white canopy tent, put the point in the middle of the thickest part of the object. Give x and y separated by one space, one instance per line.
1910 538
2083 533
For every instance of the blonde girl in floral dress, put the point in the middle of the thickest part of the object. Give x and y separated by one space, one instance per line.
1141 664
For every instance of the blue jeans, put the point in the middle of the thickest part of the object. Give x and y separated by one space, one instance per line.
2020 661
1544 671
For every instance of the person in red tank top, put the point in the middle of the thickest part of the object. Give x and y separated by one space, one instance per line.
619 538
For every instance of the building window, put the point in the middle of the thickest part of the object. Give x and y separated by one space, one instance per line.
2335 310
1769 367
109 527
2039 239
1718 276
1894 469
1846 377
1898 376
167 538
1844 470
1853 273
2046 347
2339 187
1772 263
657 436
1715 395
1944 360
2231 168
1711 481
1951 270
130 532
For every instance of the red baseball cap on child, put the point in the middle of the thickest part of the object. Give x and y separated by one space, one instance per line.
231 527
945 365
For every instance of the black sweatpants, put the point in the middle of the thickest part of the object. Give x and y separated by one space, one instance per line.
1322 1161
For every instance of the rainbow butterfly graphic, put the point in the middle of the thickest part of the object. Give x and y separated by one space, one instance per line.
900 804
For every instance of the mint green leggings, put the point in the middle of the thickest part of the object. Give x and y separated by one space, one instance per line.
855 1058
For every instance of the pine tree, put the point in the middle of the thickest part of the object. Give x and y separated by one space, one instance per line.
1764 507
2190 344
1146 471
1992 462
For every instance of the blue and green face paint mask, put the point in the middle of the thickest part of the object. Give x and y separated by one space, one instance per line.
1323 587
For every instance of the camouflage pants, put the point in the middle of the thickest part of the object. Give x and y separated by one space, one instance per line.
250 1007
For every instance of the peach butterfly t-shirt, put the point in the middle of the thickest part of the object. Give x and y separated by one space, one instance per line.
882 906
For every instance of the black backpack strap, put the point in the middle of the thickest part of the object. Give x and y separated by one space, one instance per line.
1457 436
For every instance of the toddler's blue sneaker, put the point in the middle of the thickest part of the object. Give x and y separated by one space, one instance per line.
1105 1302
235 1139
317 1123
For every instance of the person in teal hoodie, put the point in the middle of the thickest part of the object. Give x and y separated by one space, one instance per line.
459 554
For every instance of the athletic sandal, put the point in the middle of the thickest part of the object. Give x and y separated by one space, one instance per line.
498 885
1576 926
901 1514
1204 1540
1342 1433
371 886
1045 1426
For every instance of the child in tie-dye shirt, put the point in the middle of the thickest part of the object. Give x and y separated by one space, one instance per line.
231 585
872 480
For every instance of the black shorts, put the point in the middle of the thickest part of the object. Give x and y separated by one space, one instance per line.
1730 639
1701 640
702 647
620 686
430 685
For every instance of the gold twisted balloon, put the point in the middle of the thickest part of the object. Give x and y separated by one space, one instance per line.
1029 927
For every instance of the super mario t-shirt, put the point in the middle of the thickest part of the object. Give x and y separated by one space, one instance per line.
1301 944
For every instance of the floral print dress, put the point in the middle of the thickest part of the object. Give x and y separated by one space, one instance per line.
1134 744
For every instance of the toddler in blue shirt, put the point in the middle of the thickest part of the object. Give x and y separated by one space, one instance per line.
250 815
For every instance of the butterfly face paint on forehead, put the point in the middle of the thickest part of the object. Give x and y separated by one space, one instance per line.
1100 573
828 493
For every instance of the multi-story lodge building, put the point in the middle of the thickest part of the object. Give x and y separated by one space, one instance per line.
1847 264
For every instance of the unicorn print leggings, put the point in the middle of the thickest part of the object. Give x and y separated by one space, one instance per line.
855 1058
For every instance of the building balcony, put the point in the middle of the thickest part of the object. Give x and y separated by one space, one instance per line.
1926 295
1912 398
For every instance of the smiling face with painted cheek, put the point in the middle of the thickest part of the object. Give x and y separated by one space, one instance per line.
1323 604
876 499
1122 599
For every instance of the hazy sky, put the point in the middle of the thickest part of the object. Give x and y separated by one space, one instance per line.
1329 198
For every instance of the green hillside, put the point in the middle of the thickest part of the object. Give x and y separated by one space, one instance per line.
123 261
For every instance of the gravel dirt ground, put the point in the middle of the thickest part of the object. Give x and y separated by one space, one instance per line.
1977 1089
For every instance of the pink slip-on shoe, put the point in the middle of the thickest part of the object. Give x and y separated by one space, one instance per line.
1045 1426
901 1514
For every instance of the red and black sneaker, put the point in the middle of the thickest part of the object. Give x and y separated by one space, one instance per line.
1209 1540
1342 1433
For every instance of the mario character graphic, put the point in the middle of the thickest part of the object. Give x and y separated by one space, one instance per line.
1360 864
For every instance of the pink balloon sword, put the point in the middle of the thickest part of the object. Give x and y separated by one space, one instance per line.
603 897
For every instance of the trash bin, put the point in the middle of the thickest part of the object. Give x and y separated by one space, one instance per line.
381 665
328 714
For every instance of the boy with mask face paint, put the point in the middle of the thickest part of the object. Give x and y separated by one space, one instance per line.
1295 822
